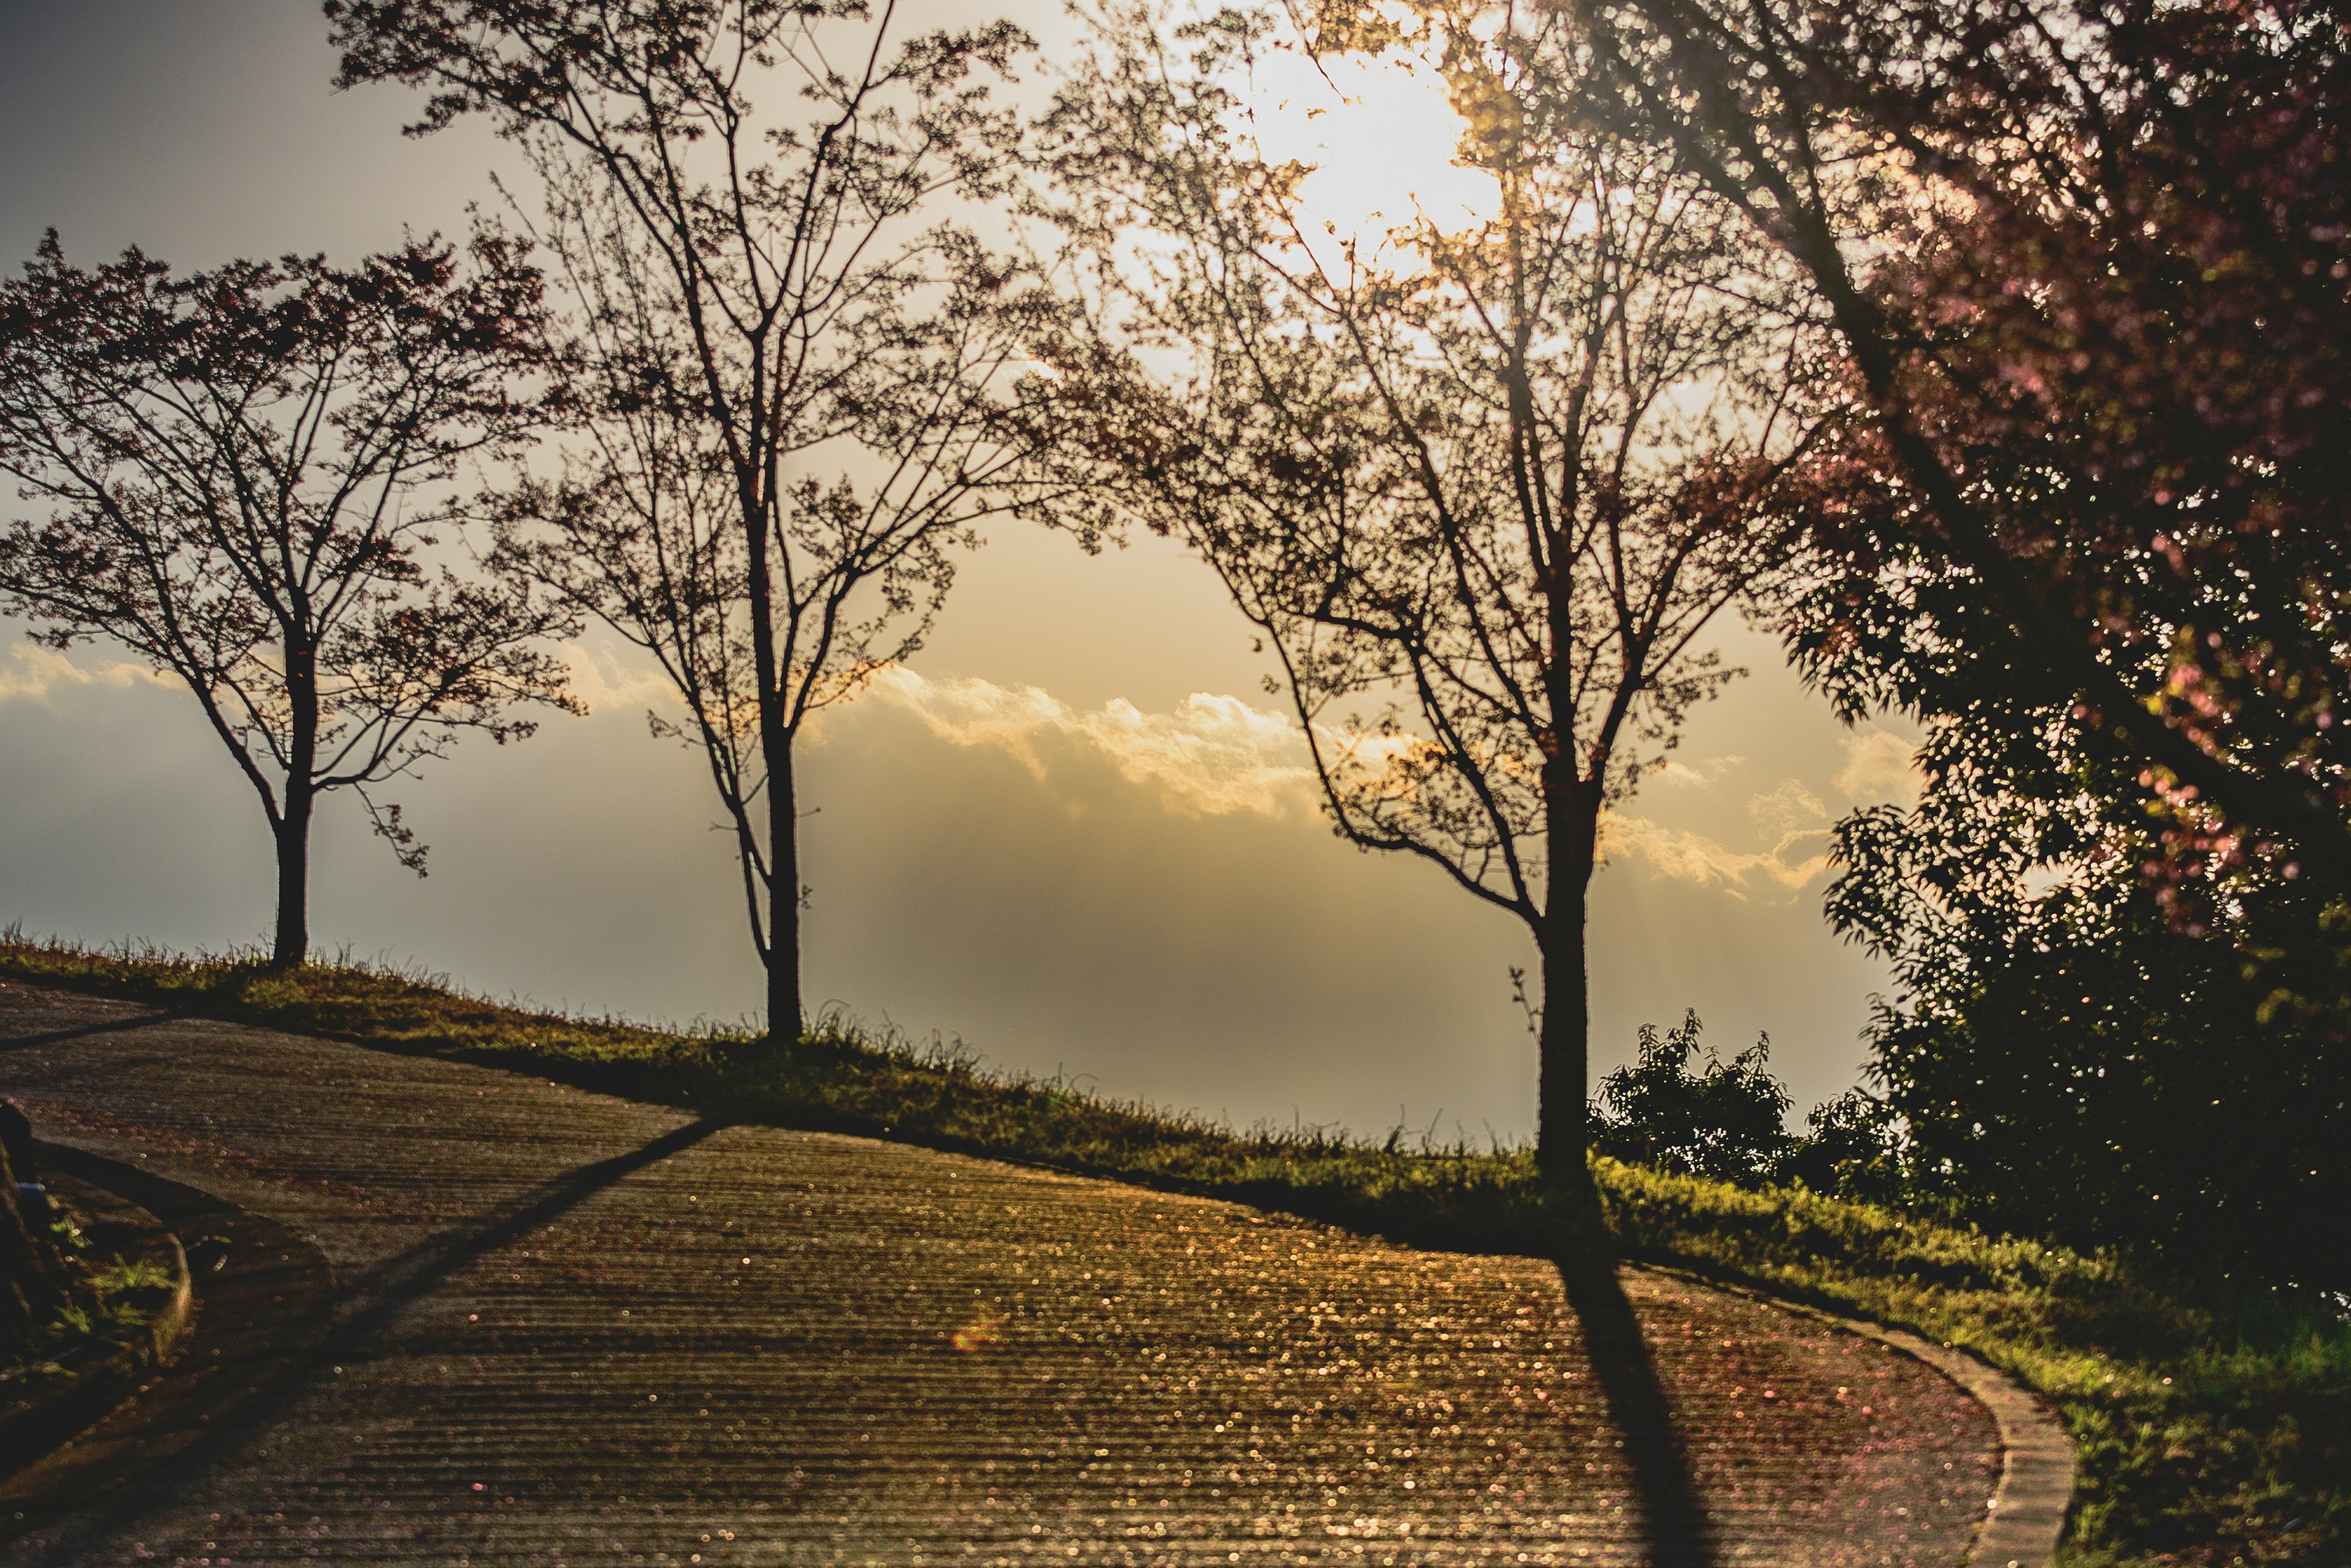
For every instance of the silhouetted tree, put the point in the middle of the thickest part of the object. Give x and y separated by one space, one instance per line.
2087 258
2069 1062
1495 483
1855 1146
2089 261
2079 1052
792 373
229 471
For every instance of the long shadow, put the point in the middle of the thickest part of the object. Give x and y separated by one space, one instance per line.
384 1292
106 1026
1673 1526
371 1300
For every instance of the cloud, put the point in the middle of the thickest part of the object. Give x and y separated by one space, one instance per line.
606 675
1709 771
1790 813
1878 766
34 674
1213 756
1790 816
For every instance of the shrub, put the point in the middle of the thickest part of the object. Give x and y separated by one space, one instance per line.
1727 1121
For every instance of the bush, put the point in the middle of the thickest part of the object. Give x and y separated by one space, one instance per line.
2112 1082
1728 1122
1857 1148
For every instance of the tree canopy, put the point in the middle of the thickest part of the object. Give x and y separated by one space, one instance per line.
793 371
1481 490
2087 260
234 474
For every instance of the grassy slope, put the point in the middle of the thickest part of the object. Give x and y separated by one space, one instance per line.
2211 1431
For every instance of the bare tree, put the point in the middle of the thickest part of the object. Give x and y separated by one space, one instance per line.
1496 482
795 378
230 471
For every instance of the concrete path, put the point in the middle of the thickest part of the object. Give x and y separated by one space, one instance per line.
578 1330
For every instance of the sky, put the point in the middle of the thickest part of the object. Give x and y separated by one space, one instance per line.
1074 832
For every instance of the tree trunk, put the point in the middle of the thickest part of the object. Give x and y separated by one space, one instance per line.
1562 1067
784 1015
293 942
783 947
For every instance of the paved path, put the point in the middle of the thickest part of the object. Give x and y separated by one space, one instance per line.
578 1330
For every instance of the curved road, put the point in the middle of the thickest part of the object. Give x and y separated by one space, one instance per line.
578 1330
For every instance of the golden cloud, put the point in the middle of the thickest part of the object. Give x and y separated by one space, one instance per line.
34 673
609 675
1213 756
1790 816
1699 776
1879 765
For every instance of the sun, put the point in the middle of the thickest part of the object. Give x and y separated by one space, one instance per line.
1380 136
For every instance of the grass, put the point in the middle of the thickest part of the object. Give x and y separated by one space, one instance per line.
113 1311
2213 1428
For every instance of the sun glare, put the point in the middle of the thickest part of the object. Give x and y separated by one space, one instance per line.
1381 138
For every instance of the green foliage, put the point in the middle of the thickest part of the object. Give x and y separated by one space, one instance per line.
113 1304
1726 1121
2214 1426
130 1275
2070 1056
2112 1078
1856 1148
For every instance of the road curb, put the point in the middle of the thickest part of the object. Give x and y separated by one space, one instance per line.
2026 1516
55 1414
263 1297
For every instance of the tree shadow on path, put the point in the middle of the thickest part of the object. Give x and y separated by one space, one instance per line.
1673 1525
370 1300
103 1026
381 1292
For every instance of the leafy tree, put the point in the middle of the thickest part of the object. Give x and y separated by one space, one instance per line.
2067 1060
2087 258
1493 484
1855 1147
229 471
1727 1121
792 373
